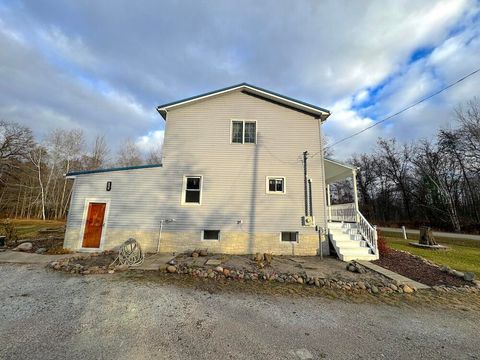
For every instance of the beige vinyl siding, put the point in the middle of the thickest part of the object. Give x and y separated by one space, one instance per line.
234 175
234 198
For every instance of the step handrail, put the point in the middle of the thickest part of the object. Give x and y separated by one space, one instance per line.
368 232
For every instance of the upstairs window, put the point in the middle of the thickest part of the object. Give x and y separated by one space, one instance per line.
275 185
244 132
192 189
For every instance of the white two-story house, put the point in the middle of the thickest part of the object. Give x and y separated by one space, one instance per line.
242 172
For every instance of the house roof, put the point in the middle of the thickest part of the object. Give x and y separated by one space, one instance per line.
335 170
85 172
307 108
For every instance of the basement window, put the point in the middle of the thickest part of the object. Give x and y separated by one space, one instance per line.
289 236
211 235
192 189
244 132
275 185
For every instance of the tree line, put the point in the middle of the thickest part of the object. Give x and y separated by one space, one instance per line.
432 182
32 181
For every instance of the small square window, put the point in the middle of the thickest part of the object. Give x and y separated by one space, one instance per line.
290 236
276 185
211 234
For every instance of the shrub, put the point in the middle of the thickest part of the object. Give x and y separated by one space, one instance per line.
10 231
383 248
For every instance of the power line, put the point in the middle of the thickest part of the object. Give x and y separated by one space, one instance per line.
405 109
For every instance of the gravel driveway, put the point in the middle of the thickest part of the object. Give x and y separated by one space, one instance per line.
47 315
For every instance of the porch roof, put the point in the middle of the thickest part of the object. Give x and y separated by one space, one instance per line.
335 171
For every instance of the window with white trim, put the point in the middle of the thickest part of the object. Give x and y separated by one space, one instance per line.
289 236
211 235
192 189
275 185
244 132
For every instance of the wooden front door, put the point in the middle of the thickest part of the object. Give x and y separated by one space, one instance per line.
94 225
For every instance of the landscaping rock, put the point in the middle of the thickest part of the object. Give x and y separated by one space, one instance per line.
26 246
407 289
123 267
219 269
445 268
300 280
468 276
195 254
355 267
393 287
456 273
41 251
171 269
203 252
226 272
162 267
374 289
111 271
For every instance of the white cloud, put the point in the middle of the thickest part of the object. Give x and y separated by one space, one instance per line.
151 141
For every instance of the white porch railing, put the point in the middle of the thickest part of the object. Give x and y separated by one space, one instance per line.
342 212
368 232
349 213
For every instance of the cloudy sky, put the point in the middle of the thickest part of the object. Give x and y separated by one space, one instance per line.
103 66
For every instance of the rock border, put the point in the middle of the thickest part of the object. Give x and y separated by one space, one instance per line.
67 265
222 273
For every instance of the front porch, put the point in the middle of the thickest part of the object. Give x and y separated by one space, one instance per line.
353 237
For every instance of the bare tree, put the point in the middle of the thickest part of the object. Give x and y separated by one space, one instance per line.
99 154
154 156
129 154
37 156
395 162
468 116
440 169
16 142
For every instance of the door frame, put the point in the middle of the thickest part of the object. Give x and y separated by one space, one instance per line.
84 221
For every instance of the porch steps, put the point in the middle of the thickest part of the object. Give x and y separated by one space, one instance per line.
348 243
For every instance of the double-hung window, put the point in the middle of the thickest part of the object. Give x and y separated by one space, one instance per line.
244 132
192 189
275 185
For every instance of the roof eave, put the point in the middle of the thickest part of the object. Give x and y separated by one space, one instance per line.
315 111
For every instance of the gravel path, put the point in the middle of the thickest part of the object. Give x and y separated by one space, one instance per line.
47 315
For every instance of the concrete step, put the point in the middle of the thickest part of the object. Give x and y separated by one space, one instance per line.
354 251
350 243
369 257
339 225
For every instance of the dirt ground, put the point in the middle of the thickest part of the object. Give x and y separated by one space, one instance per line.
418 270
